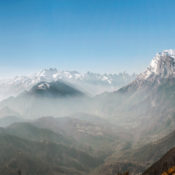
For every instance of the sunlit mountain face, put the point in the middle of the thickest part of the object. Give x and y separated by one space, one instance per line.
54 125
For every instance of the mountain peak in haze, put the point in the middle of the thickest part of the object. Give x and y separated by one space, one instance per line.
92 83
161 66
160 71
47 74
54 89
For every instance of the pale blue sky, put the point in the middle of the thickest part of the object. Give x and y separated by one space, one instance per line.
83 35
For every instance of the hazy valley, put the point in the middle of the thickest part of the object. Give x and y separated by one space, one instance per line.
54 126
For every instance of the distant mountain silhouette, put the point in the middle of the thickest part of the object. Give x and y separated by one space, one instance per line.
54 89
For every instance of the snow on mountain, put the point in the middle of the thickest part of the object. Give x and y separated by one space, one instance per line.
43 86
92 83
161 66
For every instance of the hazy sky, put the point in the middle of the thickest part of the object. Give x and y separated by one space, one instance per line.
83 35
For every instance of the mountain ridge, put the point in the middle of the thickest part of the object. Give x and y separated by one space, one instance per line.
94 83
162 66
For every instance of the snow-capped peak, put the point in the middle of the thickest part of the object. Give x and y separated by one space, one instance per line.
162 65
47 74
169 52
94 83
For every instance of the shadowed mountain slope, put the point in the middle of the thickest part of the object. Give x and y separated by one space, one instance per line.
54 89
166 165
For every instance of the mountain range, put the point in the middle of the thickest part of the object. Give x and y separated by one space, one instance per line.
123 130
92 83
150 97
146 107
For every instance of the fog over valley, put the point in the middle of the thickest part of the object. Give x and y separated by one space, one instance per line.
87 87
96 134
